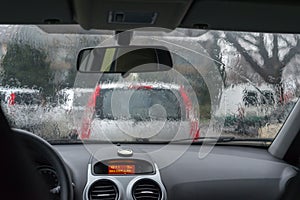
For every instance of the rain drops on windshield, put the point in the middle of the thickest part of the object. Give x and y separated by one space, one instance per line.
241 84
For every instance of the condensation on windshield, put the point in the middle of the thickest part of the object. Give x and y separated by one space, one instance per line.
42 92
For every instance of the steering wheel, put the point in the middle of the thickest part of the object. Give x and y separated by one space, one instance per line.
42 146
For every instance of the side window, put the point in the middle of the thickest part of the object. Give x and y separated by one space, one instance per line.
250 98
267 98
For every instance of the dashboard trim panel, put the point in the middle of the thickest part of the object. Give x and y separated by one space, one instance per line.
124 183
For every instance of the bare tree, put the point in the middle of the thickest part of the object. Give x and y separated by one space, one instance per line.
267 54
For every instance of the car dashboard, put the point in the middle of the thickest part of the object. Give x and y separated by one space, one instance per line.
107 171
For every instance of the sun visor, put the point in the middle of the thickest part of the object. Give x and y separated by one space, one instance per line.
129 14
244 15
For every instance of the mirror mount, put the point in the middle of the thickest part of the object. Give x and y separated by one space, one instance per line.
125 74
124 39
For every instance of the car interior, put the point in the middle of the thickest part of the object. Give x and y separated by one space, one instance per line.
206 169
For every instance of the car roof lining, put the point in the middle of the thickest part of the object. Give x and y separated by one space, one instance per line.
236 15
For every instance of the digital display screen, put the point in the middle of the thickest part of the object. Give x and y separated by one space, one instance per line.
121 169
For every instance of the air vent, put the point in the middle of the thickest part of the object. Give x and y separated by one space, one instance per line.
103 189
146 189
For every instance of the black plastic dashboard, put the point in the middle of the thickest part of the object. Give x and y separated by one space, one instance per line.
227 172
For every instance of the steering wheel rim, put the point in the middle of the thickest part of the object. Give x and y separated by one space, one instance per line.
63 174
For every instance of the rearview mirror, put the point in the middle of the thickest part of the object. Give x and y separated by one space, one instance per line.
124 59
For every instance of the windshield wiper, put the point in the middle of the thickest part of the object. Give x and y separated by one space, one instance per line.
223 139
197 140
202 139
142 140
64 141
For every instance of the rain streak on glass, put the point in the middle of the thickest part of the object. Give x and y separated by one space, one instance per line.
259 73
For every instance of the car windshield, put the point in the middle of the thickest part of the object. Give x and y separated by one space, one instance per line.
222 83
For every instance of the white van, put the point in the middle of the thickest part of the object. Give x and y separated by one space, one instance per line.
249 99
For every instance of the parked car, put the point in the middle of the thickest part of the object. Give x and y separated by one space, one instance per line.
124 109
20 96
22 106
